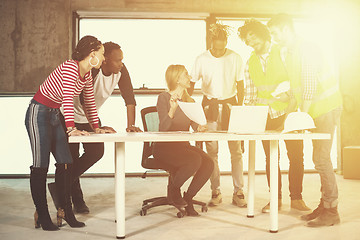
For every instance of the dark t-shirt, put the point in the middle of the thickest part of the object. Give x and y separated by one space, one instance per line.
180 122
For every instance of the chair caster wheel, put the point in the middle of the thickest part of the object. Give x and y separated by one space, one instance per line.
204 209
143 212
181 214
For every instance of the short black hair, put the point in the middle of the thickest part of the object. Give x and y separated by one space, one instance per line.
256 27
109 47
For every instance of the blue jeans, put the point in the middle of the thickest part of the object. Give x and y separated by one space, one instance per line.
46 135
326 123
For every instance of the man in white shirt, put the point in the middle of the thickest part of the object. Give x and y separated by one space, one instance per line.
221 72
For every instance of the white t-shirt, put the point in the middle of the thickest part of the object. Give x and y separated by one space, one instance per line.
218 75
103 88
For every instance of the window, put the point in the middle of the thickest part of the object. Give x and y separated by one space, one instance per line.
150 45
317 32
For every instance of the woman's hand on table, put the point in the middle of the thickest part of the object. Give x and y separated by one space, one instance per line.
101 130
108 129
75 132
133 128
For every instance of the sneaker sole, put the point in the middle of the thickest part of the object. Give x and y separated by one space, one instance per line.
302 210
325 225
241 206
211 204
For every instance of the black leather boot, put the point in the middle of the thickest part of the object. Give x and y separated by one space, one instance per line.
38 193
63 186
190 211
78 198
53 194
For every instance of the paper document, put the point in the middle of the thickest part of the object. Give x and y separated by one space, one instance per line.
194 111
281 88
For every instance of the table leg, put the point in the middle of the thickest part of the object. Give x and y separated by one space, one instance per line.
120 189
251 179
274 165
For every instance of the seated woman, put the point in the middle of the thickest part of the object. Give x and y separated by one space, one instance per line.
186 159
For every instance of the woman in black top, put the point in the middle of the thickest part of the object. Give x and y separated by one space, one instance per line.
186 159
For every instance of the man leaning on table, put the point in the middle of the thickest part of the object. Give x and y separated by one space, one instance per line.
317 93
264 72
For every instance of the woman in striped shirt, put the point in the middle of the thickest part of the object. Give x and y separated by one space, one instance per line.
47 135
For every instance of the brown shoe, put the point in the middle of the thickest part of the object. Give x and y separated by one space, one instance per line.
239 199
314 214
266 209
216 198
328 217
299 205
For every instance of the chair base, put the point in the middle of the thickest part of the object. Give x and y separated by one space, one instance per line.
163 201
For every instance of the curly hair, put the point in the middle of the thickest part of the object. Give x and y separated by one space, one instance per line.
85 46
219 31
281 20
256 27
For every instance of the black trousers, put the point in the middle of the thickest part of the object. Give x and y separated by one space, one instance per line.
295 154
93 152
187 161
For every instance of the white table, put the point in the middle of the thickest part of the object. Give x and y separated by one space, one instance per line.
119 140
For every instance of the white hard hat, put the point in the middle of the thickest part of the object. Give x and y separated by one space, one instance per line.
296 121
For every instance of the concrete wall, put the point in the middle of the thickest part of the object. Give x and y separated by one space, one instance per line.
36 34
34 39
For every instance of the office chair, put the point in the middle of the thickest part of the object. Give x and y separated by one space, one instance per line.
150 121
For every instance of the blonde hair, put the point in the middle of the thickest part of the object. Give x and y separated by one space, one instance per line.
172 75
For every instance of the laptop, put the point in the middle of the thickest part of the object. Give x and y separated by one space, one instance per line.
248 119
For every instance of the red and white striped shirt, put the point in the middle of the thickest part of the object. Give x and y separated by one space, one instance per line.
62 85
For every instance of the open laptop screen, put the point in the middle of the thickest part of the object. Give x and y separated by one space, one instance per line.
248 119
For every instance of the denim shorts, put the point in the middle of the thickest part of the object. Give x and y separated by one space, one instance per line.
46 135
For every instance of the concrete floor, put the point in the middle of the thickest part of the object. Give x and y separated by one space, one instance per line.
223 222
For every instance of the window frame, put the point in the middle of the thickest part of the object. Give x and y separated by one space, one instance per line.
209 18
79 15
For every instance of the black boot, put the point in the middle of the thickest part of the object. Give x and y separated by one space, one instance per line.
53 193
63 186
175 198
190 211
38 193
78 198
